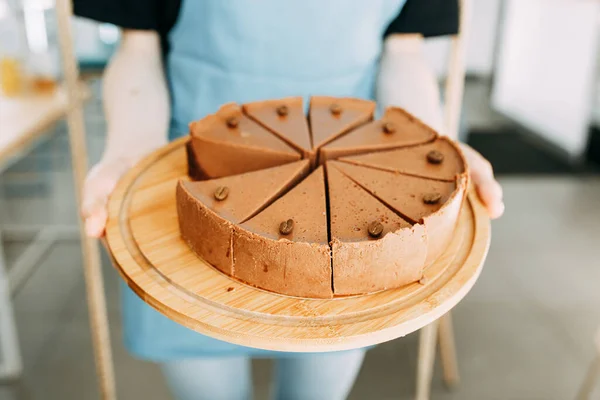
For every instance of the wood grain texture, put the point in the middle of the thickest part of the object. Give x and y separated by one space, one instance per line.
143 237
427 350
448 352
92 267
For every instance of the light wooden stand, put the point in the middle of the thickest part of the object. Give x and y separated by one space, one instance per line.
91 256
442 329
24 122
144 239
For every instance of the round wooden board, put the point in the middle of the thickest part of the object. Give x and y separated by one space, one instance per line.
143 237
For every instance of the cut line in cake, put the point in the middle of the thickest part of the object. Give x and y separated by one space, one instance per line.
211 207
420 201
286 119
228 143
362 227
332 117
285 251
396 128
440 160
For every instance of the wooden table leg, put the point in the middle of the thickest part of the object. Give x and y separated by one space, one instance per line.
426 361
10 357
91 254
448 352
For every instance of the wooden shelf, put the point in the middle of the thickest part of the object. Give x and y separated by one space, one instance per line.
25 119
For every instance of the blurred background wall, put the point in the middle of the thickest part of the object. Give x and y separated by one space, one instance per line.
541 59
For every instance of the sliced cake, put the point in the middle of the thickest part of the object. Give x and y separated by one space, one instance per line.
331 117
440 159
228 143
194 171
396 128
383 205
284 248
285 118
434 203
207 209
373 248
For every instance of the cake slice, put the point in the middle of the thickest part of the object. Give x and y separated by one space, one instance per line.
331 117
193 169
284 248
207 209
440 159
436 204
285 118
229 143
373 248
396 128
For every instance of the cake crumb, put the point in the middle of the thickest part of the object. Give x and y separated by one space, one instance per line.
230 289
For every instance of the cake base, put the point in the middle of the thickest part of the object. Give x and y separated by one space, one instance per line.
144 240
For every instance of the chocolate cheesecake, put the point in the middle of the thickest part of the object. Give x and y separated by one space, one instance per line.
382 201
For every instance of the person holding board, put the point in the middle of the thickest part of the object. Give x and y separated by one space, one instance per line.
179 60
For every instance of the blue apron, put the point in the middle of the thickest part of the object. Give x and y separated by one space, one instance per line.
240 51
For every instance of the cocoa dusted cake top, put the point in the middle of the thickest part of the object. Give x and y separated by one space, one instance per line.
324 204
396 128
240 197
299 216
436 160
356 215
331 117
228 143
413 198
285 118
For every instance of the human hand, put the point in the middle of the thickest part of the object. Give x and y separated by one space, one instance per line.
99 185
488 188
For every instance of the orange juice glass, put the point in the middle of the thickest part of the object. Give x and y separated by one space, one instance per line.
11 77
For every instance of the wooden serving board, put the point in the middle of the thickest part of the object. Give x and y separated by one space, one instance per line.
143 237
